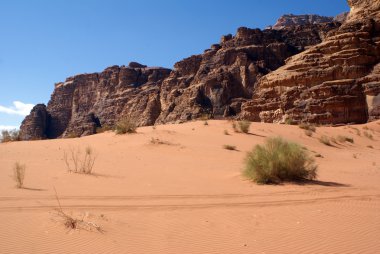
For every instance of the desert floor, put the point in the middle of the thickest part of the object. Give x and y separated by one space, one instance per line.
189 196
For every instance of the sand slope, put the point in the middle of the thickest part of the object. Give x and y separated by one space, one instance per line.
189 196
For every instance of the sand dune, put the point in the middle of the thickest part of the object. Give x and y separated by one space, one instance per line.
188 196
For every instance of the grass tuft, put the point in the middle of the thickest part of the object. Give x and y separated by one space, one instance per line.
342 139
19 174
125 125
325 140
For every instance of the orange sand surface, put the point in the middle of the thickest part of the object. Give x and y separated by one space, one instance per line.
189 196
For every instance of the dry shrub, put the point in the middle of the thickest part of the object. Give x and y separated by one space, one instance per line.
19 174
157 141
125 125
241 126
308 133
342 139
10 136
226 132
278 161
307 126
368 135
205 123
73 223
78 163
325 140
230 147
104 128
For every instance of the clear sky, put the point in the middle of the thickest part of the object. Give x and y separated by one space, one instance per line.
44 41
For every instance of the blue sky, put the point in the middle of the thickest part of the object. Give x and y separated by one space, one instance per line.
44 41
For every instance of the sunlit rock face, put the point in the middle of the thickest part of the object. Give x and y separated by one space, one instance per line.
336 81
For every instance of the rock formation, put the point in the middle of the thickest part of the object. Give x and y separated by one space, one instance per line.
291 20
318 72
336 81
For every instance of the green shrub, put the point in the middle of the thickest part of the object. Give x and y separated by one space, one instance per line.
277 161
125 125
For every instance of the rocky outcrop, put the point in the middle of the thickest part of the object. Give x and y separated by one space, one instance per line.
218 81
85 102
336 81
35 124
215 83
291 20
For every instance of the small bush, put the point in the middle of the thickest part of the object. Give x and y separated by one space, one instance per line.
226 132
308 127
368 135
125 125
104 128
19 174
244 126
342 139
370 146
205 123
279 160
308 133
234 127
10 136
325 140
230 147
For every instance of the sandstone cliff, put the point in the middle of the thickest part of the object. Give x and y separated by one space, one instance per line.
290 20
336 81
325 73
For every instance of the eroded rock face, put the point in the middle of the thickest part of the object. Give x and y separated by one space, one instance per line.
291 20
332 82
216 83
87 101
35 124
220 80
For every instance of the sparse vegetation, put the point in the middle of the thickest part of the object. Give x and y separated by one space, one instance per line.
230 147
125 125
104 128
325 140
244 126
73 223
157 141
368 135
78 163
369 146
308 133
205 123
19 174
318 155
342 139
10 136
234 127
290 121
279 160
308 127
226 132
